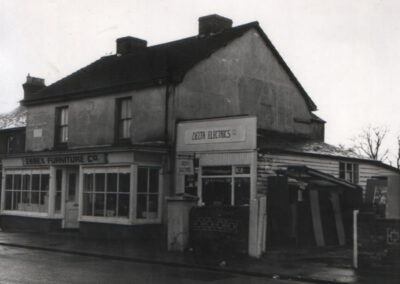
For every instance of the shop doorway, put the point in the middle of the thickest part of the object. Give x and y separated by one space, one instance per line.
71 198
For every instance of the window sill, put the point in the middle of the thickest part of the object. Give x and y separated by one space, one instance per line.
109 220
118 221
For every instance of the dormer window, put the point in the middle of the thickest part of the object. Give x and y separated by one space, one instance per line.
124 118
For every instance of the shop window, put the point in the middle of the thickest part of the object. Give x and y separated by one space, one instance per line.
27 191
226 185
123 119
61 137
106 193
147 193
349 172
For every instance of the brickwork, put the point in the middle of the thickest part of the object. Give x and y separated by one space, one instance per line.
378 241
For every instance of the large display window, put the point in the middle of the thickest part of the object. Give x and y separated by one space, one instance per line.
121 194
148 193
27 190
106 193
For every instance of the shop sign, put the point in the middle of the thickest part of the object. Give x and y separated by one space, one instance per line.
75 159
215 135
185 166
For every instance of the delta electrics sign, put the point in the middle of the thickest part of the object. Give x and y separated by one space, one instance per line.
215 135
230 133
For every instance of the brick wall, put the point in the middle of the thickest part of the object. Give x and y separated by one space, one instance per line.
378 241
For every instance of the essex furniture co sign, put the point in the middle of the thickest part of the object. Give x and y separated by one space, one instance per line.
215 135
66 160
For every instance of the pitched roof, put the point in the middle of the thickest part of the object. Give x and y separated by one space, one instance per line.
316 149
13 119
154 65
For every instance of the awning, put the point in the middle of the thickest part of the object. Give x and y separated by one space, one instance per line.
314 177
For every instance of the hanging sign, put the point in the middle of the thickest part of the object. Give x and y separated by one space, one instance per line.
185 166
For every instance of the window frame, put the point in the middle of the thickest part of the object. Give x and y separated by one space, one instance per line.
60 125
120 120
24 172
9 145
159 193
103 170
351 168
132 218
233 176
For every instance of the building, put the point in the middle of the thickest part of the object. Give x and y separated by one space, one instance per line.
107 144
12 133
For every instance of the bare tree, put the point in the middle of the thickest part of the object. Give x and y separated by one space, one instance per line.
369 142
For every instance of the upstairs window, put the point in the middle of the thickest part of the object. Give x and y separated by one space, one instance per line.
124 118
62 125
10 144
349 172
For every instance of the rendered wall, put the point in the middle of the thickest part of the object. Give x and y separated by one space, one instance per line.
243 78
92 121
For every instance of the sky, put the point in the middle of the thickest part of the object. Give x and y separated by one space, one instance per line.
345 53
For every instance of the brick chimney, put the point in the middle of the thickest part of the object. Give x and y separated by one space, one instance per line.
129 44
212 24
32 86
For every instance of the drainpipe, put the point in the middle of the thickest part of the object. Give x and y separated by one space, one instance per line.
169 141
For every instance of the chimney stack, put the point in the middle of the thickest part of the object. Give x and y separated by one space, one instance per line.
32 86
212 24
129 44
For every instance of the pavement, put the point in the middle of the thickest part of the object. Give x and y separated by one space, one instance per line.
314 265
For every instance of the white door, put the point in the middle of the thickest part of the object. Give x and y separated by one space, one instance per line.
71 199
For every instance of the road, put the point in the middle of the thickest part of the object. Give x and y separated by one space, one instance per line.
20 265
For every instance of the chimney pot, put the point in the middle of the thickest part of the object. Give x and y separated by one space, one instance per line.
212 24
129 44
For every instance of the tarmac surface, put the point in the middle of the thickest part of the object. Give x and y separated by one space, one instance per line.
20 265
315 265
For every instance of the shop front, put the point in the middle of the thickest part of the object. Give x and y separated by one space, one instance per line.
216 161
93 192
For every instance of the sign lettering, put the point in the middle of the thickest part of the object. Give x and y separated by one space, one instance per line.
215 135
66 160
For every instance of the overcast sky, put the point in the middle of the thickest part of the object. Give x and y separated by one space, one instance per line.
345 53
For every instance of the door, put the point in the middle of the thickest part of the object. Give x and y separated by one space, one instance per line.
71 199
